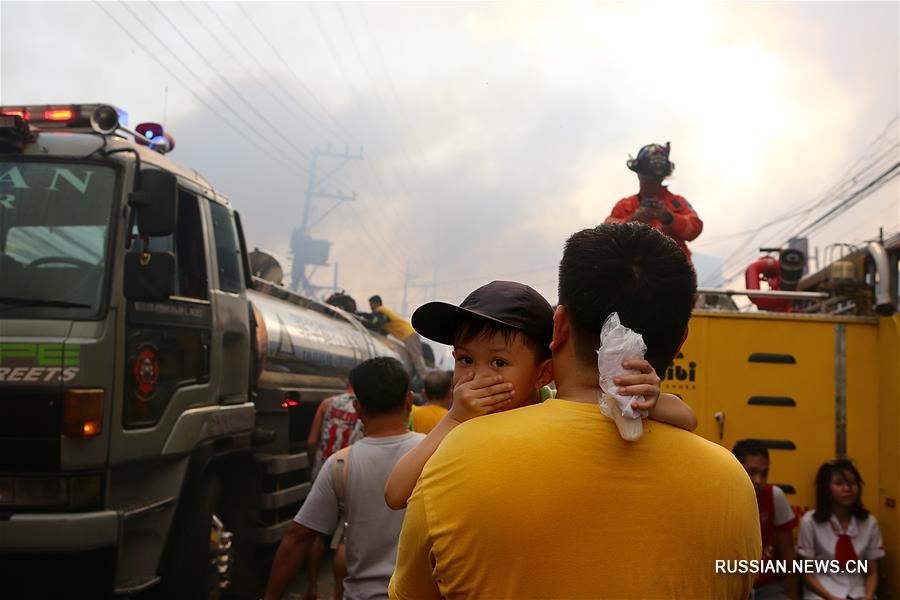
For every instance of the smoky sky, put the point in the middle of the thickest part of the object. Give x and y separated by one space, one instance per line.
472 221
489 132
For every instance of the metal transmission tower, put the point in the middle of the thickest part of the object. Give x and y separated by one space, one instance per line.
307 251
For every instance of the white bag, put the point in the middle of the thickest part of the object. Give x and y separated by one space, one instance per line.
618 344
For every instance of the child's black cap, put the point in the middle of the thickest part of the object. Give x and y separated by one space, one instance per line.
515 305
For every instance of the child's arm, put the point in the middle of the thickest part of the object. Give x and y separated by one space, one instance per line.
666 408
406 472
470 399
673 410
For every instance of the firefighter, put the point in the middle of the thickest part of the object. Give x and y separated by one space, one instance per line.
654 204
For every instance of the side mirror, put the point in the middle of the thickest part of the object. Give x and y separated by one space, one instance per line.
149 276
156 203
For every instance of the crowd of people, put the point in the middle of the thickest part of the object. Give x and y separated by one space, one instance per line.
502 487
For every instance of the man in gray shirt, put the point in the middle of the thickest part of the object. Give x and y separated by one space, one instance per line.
383 402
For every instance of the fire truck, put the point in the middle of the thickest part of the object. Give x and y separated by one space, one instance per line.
155 396
813 373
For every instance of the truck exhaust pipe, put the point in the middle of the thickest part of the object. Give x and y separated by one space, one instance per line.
883 304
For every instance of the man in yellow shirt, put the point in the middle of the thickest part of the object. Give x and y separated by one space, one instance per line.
548 501
438 389
401 329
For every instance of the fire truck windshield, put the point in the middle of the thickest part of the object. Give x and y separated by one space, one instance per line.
54 238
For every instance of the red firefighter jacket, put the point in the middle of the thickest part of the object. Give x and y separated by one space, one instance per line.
685 225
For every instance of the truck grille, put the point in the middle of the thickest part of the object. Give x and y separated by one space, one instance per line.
30 428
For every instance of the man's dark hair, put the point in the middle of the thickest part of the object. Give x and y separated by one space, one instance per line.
474 328
636 271
744 448
437 385
376 299
380 384
824 501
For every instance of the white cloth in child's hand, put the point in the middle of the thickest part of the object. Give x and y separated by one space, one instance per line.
618 344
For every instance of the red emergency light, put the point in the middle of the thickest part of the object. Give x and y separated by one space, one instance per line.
15 112
100 118
58 114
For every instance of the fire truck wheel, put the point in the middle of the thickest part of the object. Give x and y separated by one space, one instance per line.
238 513
199 545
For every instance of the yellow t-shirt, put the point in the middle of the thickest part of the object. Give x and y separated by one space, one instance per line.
396 326
424 418
547 501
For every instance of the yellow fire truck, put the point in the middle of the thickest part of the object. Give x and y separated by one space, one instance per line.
816 379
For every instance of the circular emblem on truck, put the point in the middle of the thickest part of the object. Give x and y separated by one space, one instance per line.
146 371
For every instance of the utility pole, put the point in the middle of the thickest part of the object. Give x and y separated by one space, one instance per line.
425 287
306 250
403 306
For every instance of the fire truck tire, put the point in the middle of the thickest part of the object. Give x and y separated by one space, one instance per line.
239 514
187 570
185 573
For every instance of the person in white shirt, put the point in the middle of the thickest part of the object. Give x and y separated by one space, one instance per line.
348 494
840 529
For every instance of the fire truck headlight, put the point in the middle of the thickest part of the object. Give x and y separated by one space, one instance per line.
39 491
79 492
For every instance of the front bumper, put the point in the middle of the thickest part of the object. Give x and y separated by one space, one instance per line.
59 555
59 532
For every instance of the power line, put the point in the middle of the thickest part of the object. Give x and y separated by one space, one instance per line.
856 197
791 224
304 112
293 73
417 147
374 216
340 65
259 83
258 113
390 80
805 210
845 204
844 181
375 240
375 91
389 252
199 98
299 105
212 92
834 194
206 104
382 251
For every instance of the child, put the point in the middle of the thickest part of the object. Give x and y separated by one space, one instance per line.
840 529
501 337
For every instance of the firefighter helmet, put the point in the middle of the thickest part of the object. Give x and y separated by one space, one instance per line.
652 159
